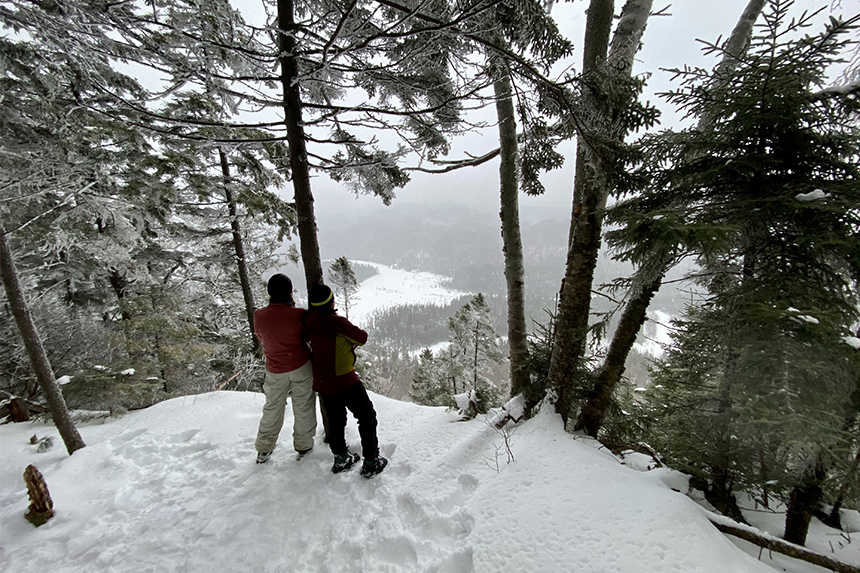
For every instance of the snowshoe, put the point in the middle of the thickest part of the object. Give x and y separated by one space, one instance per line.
344 461
263 457
372 467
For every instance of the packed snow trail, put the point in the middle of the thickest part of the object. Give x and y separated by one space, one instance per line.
176 488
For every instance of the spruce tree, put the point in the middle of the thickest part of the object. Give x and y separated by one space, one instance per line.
343 279
472 350
429 387
765 197
650 272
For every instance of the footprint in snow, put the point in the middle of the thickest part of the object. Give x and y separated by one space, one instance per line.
128 436
183 436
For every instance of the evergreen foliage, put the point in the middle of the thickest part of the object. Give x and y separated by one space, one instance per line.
119 225
429 384
473 339
345 284
755 393
465 365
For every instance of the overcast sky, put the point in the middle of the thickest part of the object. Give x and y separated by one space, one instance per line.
669 42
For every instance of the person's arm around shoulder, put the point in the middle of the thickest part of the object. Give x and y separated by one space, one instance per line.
350 331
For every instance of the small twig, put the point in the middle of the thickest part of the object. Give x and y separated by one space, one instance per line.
230 378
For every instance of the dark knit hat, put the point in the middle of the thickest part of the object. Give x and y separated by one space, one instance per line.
280 288
320 295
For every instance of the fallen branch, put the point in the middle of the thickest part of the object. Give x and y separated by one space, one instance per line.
19 409
773 544
227 381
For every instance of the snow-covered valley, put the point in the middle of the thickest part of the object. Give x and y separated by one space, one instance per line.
392 287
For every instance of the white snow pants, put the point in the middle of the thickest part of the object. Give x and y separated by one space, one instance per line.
297 384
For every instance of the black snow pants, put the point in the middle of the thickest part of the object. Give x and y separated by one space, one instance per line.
356 400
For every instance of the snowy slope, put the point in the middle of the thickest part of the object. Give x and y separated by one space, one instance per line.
392 287
175 488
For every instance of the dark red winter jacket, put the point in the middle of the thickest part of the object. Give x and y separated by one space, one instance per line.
333 340
279 328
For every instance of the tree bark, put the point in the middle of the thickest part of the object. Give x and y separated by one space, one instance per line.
733 50
719 492
512 243
833 519
597 405
36 352
299 168
595 408
738 43
785 548
239 248
41 507
119 283
803 501
591 189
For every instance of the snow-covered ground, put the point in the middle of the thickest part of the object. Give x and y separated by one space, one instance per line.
175 488
392 287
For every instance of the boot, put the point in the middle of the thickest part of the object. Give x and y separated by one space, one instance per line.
344 461
372 467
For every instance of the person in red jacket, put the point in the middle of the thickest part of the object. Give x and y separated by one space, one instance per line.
288 370
333 341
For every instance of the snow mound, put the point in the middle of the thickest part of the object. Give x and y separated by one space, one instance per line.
812 196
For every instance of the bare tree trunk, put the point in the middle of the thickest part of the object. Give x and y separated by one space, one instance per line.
779 546
833 519
512 243
734 49
738 43
571 322
38 359
475 361
119 283
803 502
299 168
239 248
595 408
591 187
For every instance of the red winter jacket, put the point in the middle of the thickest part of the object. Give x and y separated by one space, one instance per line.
333 340
279 328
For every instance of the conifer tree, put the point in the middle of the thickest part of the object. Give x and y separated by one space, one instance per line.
765 197
345 284
397 69
609 111
101 208
649 275
472 350
526 28
429 387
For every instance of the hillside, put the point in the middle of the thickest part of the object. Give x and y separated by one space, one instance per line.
175 488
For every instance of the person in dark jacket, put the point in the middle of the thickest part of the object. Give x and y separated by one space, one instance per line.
288 370
333 341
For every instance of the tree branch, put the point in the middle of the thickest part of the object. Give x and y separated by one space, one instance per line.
773 544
